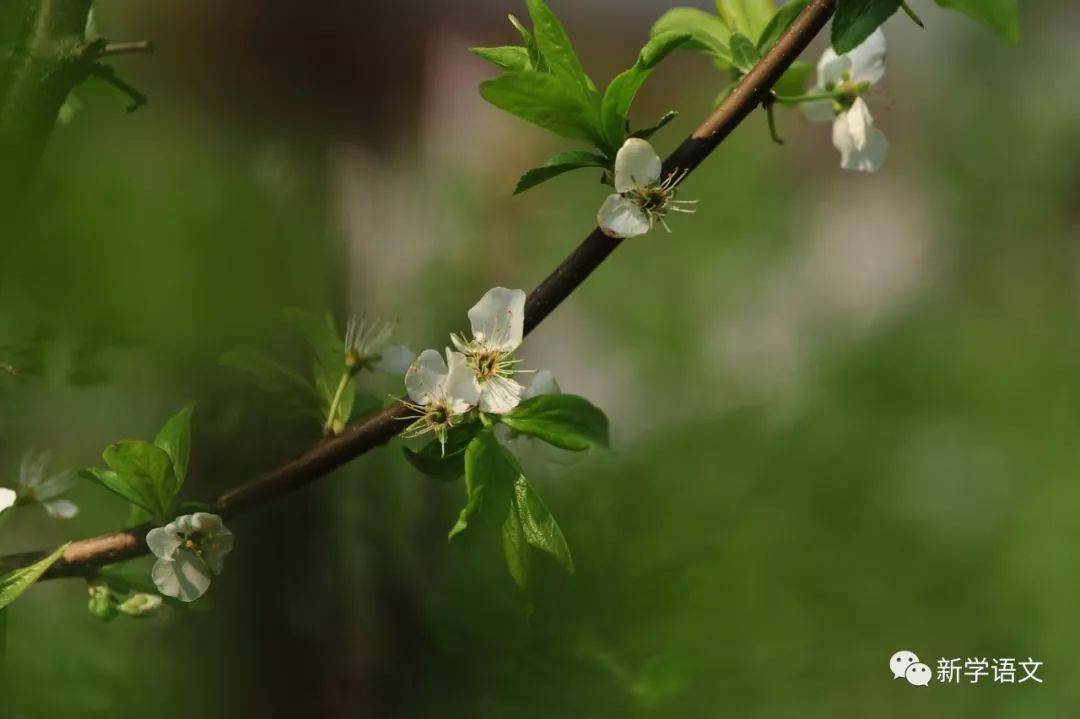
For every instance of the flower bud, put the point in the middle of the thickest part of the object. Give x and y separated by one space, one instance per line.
141 605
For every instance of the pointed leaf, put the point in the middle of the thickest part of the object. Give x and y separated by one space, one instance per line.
780 22
708 33
620 93
856 19
147 468
748 17
536 59
175 439
563 162
516 546
544 100
539 526
646 132
508 58
1003 16
556 48
564 420
488 472
18 581
138 495
743 53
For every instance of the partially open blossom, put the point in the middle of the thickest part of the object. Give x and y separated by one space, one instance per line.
34 487
190 549
367 346
543 383
498 325
441 391
641 198
848 77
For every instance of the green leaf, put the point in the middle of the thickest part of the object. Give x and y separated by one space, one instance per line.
556 48
708 33
16 582
539 526
508 58
744 55
563 162
489 470
793 81
141 496
620 93
268 374
516 545
175 439
536 60
433 462
780 22
856 19
544 100
148 469
1003 16
748 17
646 132
564 420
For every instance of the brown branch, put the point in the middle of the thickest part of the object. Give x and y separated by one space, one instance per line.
82 557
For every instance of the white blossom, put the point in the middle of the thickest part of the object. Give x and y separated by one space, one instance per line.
367 346
641 198
7 498
847 78
189 550
34 487
441 391
498 326
543 383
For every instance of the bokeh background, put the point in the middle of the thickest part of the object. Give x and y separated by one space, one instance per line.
846 408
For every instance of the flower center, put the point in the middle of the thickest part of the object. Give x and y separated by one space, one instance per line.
490 363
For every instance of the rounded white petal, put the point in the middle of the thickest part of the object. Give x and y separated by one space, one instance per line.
868 59
620 218
60 508
831 68
460 389
395 359
636 165
216 548
498 319
206 523
543 383
163 541
818 111
55 485
164 576
869 158
186 577
425 375
7 498
499 395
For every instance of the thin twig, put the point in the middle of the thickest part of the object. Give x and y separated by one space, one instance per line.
144 47
82 557
106 73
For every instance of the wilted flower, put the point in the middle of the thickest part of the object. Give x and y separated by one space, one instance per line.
441 392
33 487
189 549
641 199
367 346
498 325
847 78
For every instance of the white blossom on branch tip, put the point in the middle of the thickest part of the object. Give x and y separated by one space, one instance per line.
498 326
189 550
441 391
641 198
35 487
367 346
847 78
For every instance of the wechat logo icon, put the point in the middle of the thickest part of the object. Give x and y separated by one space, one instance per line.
906 665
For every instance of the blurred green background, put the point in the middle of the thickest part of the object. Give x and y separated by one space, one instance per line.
846 408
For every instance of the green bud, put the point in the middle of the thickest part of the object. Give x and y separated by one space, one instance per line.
141 605
101 604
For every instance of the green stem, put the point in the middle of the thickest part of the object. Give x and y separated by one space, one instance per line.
771 116
808 97
336 402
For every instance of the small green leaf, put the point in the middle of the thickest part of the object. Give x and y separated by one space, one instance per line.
620 93
748 17
148 469
539 526
268 374
708 33
487 471
536 59
564 420
16 582
175 439
556 48
793 81
544 100
646 132
432 461
139 495
744 54
856 19
1003 16
780 22
516 545
508 58
563 162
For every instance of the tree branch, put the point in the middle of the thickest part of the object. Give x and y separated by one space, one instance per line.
83 557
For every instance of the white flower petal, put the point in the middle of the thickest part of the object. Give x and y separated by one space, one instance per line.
56 485
186 577
831 68
7 498
215 548
498 319
543 383
869 158
206 523
499 395
164 576
636 165
620 218
459 390
395 359
425 375
60 508
818 111
859 121
163 541
868 59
